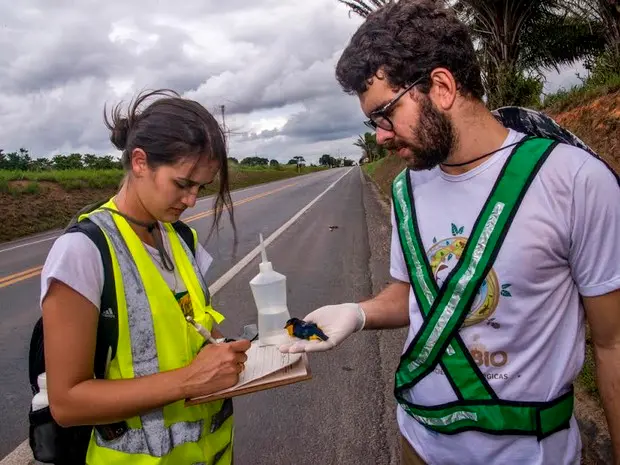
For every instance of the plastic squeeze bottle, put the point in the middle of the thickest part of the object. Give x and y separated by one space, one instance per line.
40 400
269 291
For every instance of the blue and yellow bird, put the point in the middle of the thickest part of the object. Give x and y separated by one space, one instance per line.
305 330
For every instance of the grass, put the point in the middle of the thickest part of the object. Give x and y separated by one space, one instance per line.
577 95
370 168
71 180
68 179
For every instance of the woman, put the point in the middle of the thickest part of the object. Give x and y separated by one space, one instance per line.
170 150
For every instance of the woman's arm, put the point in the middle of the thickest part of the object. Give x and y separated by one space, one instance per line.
76 398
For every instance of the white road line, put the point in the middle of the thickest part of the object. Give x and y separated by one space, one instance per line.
226 277
22 455
29 243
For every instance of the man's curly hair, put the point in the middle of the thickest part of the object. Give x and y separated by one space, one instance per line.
408 39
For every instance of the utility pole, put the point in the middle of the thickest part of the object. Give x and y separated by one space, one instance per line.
223 108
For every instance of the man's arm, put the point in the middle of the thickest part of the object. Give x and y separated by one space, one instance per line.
603 313
389 309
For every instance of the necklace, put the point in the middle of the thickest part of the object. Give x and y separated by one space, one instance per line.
480 157
160 263
166 262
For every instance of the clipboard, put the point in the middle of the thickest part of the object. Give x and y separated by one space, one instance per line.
266 368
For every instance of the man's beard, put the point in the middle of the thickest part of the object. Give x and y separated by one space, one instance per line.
434 135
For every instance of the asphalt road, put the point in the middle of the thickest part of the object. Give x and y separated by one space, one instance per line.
344 414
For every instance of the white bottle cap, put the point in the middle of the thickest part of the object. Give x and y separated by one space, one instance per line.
42 380
265 265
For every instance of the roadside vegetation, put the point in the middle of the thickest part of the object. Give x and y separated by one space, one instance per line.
39 194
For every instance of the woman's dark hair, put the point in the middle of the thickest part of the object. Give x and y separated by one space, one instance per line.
408 39
170 129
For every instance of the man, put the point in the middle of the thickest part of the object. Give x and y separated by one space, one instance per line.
500 247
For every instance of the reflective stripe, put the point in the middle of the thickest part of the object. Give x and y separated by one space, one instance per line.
401 191
154 438
478 407
461 285
448 419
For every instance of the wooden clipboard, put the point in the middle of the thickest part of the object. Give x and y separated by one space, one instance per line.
295 373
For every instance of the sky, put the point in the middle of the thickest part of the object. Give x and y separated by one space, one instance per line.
269 62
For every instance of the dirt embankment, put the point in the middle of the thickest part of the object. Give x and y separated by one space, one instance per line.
597 123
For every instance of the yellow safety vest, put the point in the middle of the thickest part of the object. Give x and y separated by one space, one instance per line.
153 336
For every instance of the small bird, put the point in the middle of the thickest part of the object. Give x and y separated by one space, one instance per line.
305 330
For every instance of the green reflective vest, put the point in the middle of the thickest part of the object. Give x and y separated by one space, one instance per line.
444 311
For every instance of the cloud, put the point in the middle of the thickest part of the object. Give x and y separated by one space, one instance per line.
270 63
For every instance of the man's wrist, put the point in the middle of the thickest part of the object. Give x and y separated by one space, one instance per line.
361 318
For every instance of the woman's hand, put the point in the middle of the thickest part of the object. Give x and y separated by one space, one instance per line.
216 367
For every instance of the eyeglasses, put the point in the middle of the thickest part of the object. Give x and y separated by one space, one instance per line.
379 117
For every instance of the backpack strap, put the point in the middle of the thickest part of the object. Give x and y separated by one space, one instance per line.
107 329
188 235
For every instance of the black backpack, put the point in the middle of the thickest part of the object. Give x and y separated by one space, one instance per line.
537 124
51 443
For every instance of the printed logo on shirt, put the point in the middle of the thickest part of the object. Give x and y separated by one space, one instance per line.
443 257
108 313
492 363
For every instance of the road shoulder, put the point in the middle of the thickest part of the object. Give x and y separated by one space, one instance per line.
390 342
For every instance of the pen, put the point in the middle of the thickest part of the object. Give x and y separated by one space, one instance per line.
201 329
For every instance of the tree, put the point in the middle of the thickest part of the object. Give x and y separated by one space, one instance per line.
274 163
605 14
233 160
105 162
347 162
255 161
362 8
68 162
326 160
370 148
516 41
41 164
18 161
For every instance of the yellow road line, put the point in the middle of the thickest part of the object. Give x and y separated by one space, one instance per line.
32 272
239 202
20 274
19 278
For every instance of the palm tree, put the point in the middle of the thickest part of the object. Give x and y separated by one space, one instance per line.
605 13
369 146
516 41
363 8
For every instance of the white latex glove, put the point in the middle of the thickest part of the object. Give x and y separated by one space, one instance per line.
338 322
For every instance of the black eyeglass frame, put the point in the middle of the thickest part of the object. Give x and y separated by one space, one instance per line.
382 112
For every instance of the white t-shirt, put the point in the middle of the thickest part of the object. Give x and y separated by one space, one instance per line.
526 328
75 260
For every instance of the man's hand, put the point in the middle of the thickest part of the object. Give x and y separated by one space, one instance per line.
338 322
